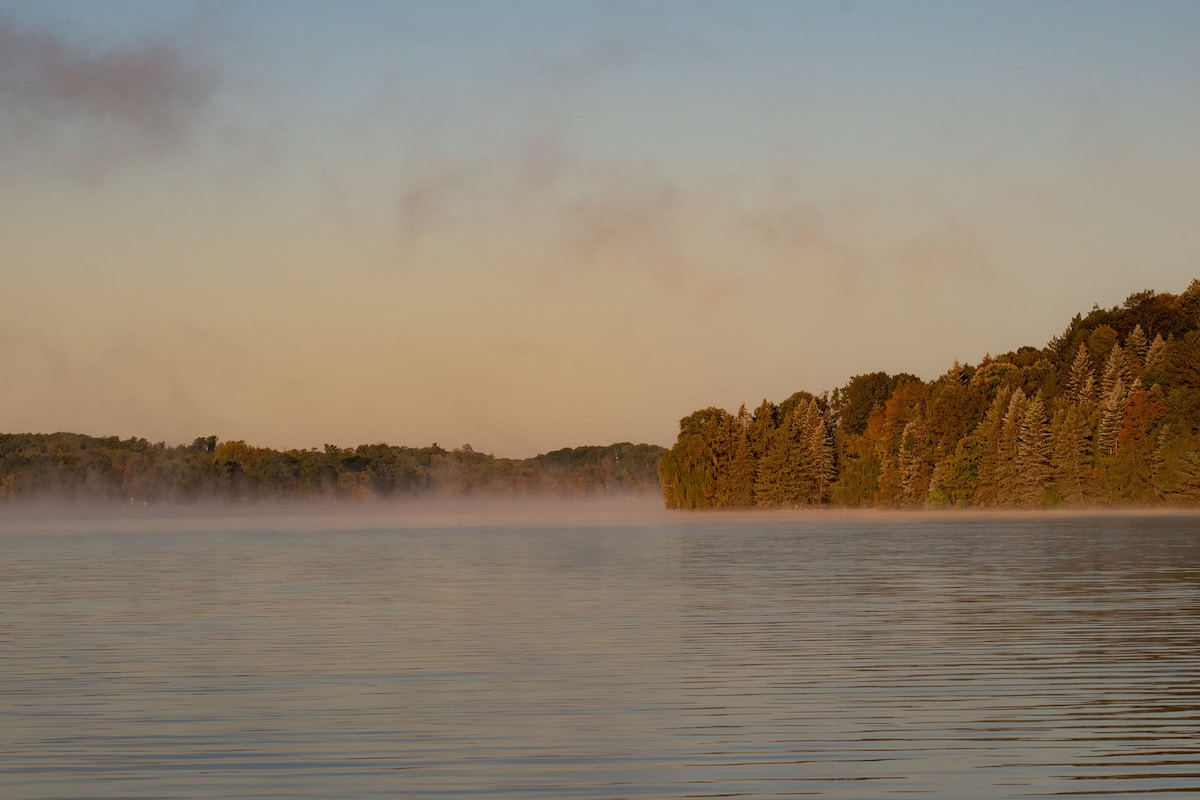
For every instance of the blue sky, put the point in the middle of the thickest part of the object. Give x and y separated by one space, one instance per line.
534 225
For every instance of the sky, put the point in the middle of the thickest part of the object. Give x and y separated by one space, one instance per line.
532 225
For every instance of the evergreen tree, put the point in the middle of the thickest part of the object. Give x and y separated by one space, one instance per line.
759 436
988 434
762 426
1184 488
796 467
1033 454
821 454
1156 359
808 437
775 486
1072 455
1081 384
1116 371
1008 476
1112 416
741 469
1136 347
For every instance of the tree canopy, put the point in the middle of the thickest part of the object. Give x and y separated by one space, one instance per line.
1107 413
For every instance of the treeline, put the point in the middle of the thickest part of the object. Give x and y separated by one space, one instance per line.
75 467
1108 413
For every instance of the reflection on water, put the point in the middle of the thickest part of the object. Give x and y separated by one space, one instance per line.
693 658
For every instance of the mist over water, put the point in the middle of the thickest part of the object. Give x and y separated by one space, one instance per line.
621 652
51 515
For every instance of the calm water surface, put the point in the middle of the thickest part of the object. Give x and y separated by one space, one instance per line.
948 657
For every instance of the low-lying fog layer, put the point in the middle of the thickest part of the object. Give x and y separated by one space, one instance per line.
59 516
631 510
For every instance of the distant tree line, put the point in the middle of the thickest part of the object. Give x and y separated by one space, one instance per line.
72 466
1108 413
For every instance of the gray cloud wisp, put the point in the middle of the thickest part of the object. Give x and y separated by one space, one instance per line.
63 94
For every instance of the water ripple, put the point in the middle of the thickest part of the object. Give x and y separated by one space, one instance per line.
998 658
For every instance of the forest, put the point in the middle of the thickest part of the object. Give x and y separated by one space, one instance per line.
1106 414
74 467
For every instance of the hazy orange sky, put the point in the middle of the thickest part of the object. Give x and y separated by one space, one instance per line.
526 226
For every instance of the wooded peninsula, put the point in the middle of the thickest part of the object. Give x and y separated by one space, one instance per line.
1106 414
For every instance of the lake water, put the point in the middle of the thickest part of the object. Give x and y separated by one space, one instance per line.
679 656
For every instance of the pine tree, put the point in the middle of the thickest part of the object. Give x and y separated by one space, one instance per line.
1114 391
1081 384
1033 454
741 467
820 446
1136 347
797 467
1156 358
1072 455
1116 370
1112 416
988 433
1008 477
775 486
802 475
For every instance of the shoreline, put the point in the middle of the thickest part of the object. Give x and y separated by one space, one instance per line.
480 512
